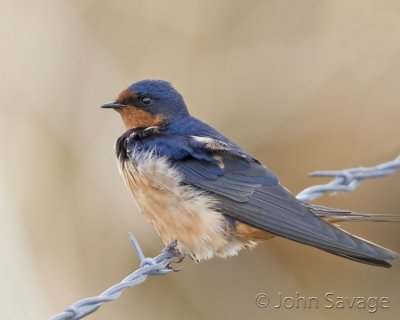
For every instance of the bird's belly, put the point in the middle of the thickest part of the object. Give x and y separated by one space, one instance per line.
179 212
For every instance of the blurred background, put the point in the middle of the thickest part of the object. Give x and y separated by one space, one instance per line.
303 85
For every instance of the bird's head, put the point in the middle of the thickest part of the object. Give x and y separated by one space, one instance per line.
149 103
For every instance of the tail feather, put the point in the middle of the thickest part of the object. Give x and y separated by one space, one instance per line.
368 253
338 215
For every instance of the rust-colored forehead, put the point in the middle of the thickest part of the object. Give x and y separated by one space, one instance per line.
126 94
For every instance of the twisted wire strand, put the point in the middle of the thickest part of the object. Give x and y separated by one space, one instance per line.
348 179
344 181
159 265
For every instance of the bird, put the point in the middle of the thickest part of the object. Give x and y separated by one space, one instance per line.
200 189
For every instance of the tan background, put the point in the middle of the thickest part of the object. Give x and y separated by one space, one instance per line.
302 85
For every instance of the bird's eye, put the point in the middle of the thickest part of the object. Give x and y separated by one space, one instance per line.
146 100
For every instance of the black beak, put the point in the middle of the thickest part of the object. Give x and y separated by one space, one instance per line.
113 105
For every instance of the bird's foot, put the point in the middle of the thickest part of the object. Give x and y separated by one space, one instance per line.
175 254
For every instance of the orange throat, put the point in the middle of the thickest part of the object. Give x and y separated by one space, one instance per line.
134 117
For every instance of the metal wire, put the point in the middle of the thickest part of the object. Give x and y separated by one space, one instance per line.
345 181
159 265
348 179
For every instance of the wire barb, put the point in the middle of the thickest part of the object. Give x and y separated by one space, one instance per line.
345 181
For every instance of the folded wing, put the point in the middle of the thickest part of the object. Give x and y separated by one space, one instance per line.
249 192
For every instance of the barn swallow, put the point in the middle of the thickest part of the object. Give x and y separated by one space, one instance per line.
199 188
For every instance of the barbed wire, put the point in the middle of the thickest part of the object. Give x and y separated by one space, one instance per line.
159 265
345 181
